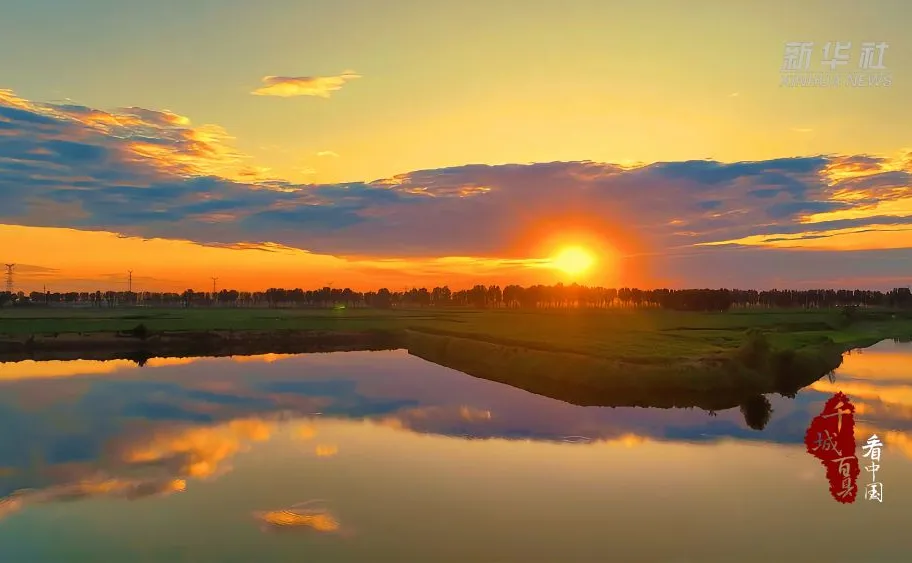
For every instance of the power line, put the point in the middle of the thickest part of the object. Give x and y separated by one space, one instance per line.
9 278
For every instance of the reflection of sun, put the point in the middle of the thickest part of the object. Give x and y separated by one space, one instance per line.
573 260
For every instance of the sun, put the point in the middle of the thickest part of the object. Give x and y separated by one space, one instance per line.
573 260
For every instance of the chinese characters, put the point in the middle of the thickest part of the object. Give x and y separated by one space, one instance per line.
831 439
866 65
871 450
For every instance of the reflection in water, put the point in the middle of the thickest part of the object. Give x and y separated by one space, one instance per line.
197 451
425 461
299 516
757 412
326 451
98 487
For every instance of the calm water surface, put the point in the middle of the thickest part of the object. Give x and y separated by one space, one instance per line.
381 456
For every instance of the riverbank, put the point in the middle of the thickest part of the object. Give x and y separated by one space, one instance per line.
601 357
126 345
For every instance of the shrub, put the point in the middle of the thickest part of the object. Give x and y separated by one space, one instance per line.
140 331
755 351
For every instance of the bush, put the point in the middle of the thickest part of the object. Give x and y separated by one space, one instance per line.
140 331
755 351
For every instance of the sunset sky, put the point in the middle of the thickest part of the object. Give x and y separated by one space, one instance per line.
298 143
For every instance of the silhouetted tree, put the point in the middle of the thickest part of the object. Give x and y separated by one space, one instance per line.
757 412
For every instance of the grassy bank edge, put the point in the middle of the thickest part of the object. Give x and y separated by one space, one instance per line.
714 383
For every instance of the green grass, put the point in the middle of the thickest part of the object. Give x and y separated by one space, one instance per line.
635 336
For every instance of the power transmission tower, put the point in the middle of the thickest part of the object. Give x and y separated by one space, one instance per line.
129 281
213 288
9 278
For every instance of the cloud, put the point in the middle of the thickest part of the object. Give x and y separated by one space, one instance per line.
130 489
328 153
148 173
198 452
290 86
299 516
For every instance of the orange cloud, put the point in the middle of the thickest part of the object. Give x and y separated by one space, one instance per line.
874 363
149 173
130 489
199 451
305 432
894 440
898 395
31 369
265 358
324 450
627 440
292 518
856 238
290 86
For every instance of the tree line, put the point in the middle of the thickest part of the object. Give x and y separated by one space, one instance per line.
558 296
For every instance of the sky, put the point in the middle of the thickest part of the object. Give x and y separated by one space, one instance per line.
366 144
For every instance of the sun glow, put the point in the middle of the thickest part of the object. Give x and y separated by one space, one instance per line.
573 260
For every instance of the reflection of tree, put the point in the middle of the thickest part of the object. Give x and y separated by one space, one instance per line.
757 411
139 358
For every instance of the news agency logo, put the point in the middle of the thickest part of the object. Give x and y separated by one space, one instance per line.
838 68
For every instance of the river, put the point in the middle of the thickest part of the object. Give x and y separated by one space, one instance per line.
383 457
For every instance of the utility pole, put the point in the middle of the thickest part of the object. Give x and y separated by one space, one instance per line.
9 278
129 281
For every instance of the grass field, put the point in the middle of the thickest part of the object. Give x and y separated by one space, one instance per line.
634 336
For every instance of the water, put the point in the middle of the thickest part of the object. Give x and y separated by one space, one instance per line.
403 460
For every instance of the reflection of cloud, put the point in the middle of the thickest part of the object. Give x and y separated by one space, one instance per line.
627 440
324 450
433 417
470 422
899 440
900 395
893 439
55 368
267 358
470 414
877 364
198 451
298 517
130 489
31 369
305 431
127 488
10 504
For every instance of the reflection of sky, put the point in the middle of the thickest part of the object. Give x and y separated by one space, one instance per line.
176 427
